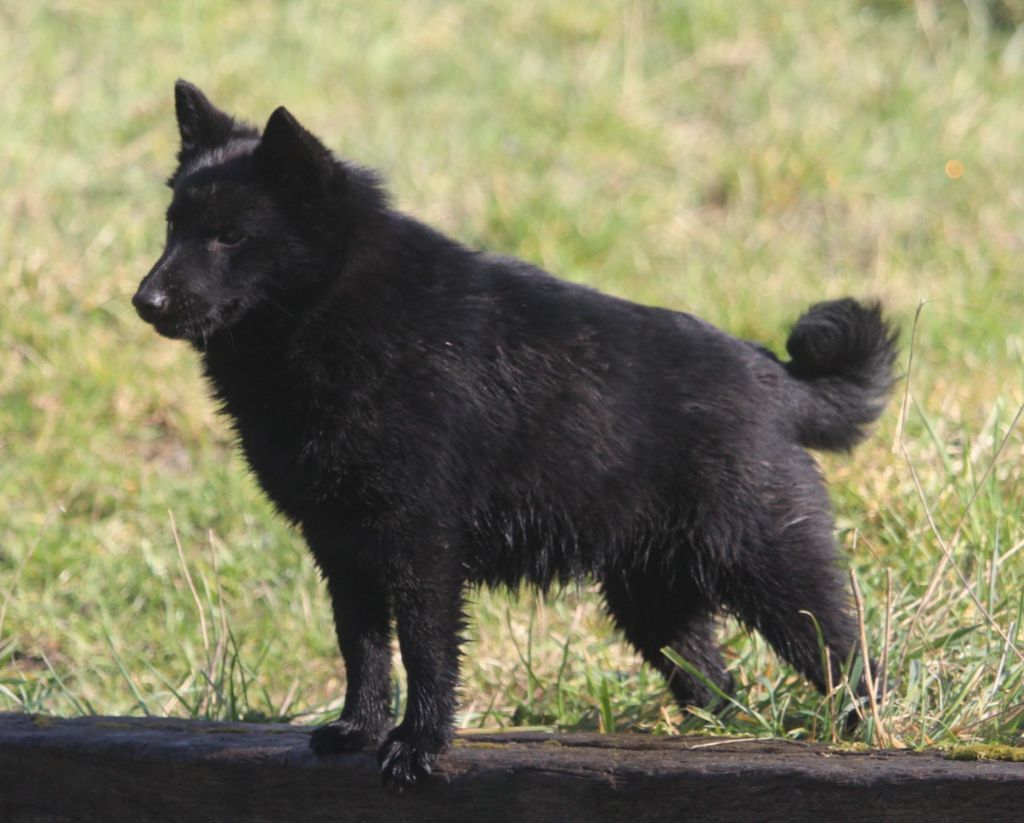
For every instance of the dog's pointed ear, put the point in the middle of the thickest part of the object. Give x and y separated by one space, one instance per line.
291 155
202 125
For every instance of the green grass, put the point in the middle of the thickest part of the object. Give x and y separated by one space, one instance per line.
735 160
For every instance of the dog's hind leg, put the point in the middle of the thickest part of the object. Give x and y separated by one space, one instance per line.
652 616
790 585
697 644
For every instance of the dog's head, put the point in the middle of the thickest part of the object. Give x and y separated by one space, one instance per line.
255 218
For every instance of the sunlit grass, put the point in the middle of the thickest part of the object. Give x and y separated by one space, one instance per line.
739 161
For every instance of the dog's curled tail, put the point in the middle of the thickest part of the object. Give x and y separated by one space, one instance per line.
843 355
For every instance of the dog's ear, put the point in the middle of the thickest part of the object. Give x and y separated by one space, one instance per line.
202 125
290 155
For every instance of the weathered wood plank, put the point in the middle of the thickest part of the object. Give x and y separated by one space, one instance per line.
104 768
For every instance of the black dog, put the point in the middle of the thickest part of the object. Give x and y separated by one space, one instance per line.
435 417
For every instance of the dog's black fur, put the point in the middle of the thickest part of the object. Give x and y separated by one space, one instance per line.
434 417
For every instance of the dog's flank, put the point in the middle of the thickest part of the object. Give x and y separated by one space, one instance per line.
434 417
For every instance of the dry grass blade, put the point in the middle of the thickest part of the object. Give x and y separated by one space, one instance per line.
880 731
884 663
191 586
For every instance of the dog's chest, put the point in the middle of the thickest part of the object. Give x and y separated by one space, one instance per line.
291 430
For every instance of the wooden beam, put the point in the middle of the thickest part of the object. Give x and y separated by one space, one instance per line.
137 769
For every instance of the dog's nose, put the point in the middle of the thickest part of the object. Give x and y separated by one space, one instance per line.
151 304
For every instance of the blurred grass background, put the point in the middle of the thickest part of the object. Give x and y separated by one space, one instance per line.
737 160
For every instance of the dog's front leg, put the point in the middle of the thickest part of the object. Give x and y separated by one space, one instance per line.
427 595
362 619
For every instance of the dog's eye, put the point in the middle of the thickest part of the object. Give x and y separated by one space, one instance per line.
230 236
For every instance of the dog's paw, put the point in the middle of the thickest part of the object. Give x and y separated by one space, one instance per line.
342 736
404 759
